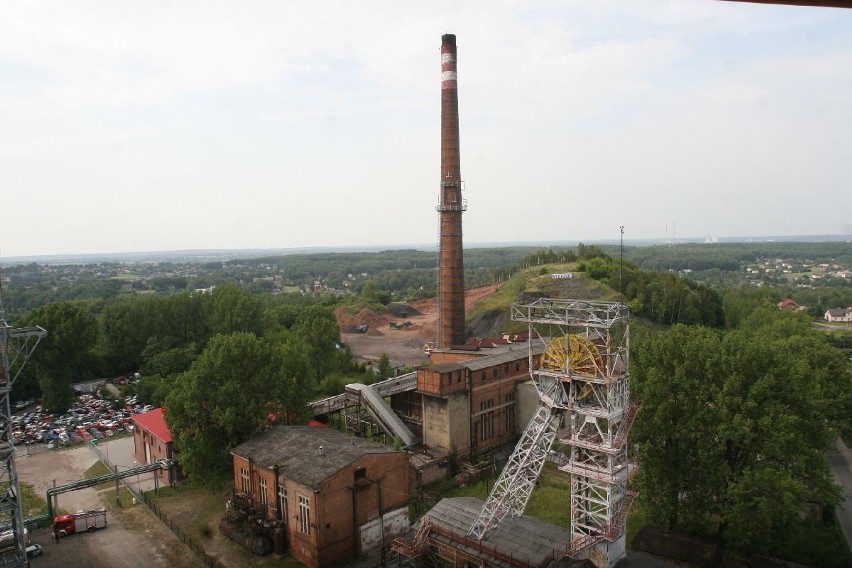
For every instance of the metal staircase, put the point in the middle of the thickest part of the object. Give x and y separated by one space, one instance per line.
409 548
582 376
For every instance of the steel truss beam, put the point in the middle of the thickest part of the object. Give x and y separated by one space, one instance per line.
584 375
16 347
511 493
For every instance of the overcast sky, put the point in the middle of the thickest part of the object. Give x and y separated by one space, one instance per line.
141 126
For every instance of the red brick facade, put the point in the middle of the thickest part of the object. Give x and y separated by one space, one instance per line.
487 387
340 518
152 441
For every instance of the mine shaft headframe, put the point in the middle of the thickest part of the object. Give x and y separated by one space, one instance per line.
575 313
573 353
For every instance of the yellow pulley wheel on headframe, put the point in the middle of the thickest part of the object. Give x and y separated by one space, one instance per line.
573 353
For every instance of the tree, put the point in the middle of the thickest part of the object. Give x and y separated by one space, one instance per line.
318 329
126 325
153 389
234 309
170 361
734 425
66 355
231 393
383 367
675 375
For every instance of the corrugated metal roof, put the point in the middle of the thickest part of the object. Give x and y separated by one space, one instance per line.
523 538
519 352
296 451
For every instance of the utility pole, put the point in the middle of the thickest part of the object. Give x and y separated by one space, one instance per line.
621 263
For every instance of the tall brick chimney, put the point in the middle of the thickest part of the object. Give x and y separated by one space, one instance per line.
451 325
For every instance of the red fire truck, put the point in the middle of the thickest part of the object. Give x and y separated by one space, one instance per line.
63 525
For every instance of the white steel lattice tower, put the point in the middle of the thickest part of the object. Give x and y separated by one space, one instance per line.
16 346
583 383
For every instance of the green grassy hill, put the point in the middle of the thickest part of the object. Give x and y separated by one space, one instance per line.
490 316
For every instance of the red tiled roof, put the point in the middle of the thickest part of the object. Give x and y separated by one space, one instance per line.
155 422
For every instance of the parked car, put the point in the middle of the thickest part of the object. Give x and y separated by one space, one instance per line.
34 550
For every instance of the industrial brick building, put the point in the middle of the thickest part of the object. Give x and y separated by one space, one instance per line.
467 407
152 441
334 496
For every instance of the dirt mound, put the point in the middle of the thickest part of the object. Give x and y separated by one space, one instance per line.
426 306
368 317
348 323
343 317
402 310
487 325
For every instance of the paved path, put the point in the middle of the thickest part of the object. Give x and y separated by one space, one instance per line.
134 536
120 452
840 462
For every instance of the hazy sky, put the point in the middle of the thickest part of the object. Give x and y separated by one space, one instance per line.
131 126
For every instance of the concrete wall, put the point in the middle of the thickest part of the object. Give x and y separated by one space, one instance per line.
458 408
527 401
446 423
391 525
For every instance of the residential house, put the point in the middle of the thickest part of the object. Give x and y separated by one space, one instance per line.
838 315
789 304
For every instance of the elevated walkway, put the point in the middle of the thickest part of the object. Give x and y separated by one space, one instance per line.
388 387
386 418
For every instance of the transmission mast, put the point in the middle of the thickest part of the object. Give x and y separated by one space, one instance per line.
583 383
16 346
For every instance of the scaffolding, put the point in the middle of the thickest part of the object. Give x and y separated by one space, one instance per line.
583 382
16 346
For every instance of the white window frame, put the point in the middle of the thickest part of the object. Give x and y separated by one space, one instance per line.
304 514
263 494
282 500
244 480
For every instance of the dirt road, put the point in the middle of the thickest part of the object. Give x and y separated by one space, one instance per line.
133 537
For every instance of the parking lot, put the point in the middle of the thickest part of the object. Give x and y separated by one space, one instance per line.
90 417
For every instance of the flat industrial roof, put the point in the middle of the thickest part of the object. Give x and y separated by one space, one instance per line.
521 538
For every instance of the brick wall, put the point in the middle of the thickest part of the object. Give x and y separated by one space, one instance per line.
158 449
327 536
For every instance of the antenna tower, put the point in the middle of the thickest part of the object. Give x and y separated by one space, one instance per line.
16 346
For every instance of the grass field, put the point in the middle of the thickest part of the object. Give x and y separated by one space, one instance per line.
197 511
549 502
